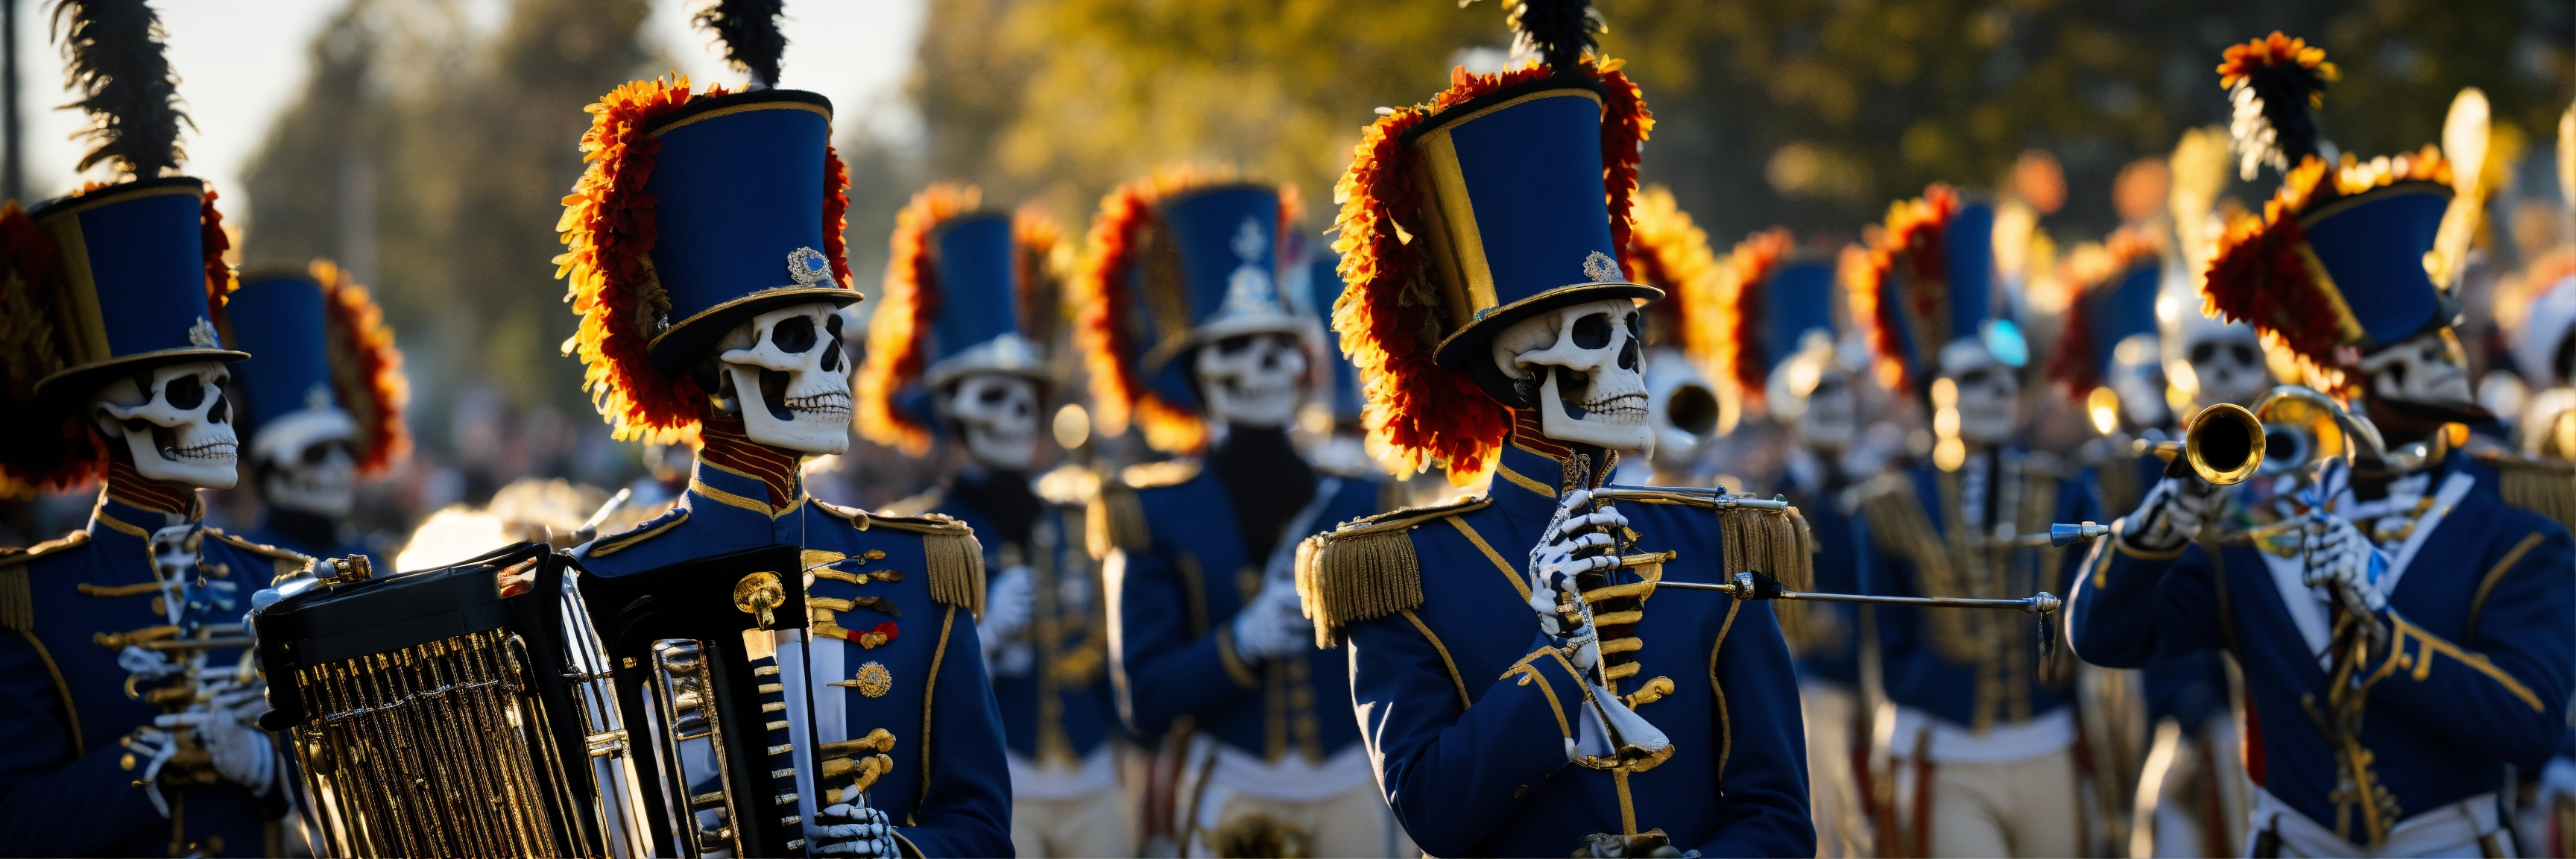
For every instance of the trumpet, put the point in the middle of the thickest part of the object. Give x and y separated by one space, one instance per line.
2291 428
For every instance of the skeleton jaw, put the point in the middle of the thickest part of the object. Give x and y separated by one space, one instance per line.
1615 422
790 361
190 445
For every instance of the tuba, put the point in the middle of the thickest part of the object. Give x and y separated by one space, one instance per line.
449 712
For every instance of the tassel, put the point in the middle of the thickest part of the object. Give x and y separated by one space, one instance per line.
1116 520
17 600
2541 489
1363 574
956 570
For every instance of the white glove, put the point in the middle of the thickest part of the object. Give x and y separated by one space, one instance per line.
1553 568
1273 624
241 751
852 830
2557 782
2340 556
1010 603
2170 514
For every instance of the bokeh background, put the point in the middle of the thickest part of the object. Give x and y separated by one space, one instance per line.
425 144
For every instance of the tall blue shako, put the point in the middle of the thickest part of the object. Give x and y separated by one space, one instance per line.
290 408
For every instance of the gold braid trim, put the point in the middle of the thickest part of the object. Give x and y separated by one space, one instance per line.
956 570
1116 520
17 595
285 563
1775 542
1899 526
2543 487
1366 569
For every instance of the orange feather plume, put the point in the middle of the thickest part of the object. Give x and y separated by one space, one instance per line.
366 368
1911 237
1736 312
911 302
1419 412
2087 269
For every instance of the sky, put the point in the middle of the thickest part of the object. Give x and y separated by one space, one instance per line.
241 62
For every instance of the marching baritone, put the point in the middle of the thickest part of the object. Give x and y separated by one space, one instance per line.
127 701
2403 630
1985 723
706 262
322 400
1521 684
955 353
1185 329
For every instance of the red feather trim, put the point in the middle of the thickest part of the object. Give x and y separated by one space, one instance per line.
1912 237
2261 275
1041 261
1737 312
911 303
41 449
1667 249
1418 411
608 224
2240 60
366 368
2088 269
1106 324
219 276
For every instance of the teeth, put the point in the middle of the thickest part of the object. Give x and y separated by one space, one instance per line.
831 403
209 450
1619 409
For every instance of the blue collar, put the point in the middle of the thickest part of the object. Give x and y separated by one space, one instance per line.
115 515
714 487
1526 482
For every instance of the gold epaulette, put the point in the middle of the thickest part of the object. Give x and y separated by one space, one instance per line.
613 543
285 563
1366 568
923 502
17 596
954 558
2546 487
1068 485
1770 541
1116 520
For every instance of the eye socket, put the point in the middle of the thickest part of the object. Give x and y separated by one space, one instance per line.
2244 354
1976 377
185 392
1235 344
991 394
315 453
1592 331
2202 352
793 335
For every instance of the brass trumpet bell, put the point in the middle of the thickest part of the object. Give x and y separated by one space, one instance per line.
2224 444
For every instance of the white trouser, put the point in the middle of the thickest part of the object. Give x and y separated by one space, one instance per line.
2462 828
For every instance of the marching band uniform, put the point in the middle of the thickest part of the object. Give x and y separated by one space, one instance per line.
2384 744
1775 312
1199 552
91 760
969 294
1984 716
322 397
733 186
1461 218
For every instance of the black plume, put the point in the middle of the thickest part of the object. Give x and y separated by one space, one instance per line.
2287 90
1558 32
749 31
112 55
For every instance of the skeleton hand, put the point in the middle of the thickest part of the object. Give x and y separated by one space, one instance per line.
226 728
2171 513
156 748
2340 556
854 830
1574 543
1272 624
1009 605
1608 846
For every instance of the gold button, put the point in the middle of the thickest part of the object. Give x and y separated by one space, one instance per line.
126 762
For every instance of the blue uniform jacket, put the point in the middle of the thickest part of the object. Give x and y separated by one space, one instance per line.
1971 667
269 534
1061 709
1831 649
66 779
1468 714
2189 689
2478 678
949 791
1172 602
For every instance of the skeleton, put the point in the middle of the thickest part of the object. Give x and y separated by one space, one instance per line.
1590 389
304 458
1988 392
2424 369
2215 362
1812 392
790 361
1252 380
998 416
2137 375
176 423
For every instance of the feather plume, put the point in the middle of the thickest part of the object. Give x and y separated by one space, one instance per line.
747 30
912 301
1667 249
1911 237
2199 165
2264 274
1043 258
43 447
2089 269
1418 411
112 54
366 368
1737 312
1558 33
1106 323
2274 82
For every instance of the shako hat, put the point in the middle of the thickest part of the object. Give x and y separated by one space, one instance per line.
698 211
122 277
2115 285
1504 196
1924 283
1173 261
967 290
322 363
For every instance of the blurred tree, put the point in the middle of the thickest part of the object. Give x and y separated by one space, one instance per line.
433 163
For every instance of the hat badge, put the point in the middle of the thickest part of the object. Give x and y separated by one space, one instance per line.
808 267
202 334
1600 268
1249 288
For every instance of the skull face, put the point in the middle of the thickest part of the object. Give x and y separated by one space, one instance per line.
305 460
998 415
2137 375
176 422
1812 392
1251 380
2426 368
1832 416
1579 366
2220 364
1987 391
785 371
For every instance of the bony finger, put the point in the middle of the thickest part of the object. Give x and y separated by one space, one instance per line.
1574 499
1592 540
